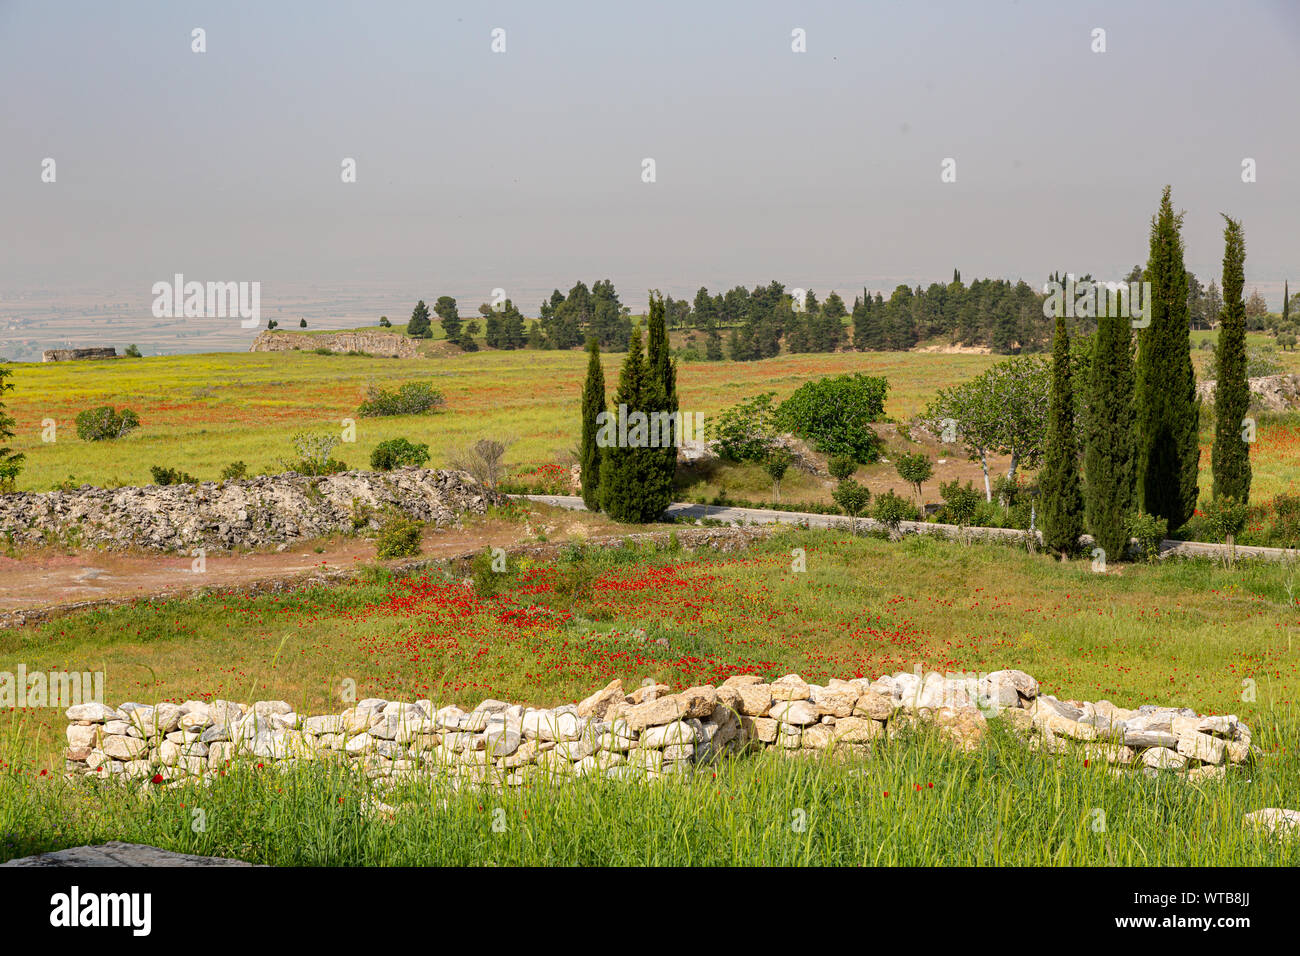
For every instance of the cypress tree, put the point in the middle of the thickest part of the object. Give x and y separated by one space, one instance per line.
1167 409
1108 457
664 373
634 486
1230 457
1062 499
593 403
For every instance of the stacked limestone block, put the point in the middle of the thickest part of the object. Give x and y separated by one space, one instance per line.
647 734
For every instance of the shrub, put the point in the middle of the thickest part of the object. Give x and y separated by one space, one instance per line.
106 423
835 414
314 454
891 510
841 467
1225 518
960 503
398 453
171 476
133 351
747 431
1149 532
234 471
410 399
487 579
484 461
399 537
1284 529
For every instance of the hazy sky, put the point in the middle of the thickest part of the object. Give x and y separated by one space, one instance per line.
523 169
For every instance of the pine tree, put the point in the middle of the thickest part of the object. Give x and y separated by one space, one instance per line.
1062 499
419 327
1230 457
1167 409
445 309
593 403
633 483
1108 455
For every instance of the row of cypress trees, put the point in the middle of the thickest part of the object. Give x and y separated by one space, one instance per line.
1140 440
631 483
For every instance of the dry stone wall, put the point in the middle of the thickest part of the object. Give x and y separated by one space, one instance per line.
249 513
647 734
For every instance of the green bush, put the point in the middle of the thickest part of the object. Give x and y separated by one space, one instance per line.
171 476
891 509
1284 525
314 454
106 423
1149 532
835 415
133 351
961 504
412 398
234 471
1225 518
841 466
399 537
398 453
487 579
746 431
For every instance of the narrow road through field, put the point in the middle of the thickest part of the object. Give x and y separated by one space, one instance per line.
682 510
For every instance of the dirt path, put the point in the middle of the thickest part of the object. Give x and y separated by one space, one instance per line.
44 584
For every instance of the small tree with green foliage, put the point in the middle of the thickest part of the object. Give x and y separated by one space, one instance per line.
915 469
853 499
835 414
778 462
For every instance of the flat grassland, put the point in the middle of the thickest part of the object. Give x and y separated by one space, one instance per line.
202 412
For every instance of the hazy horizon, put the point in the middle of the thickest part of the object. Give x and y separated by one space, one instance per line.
522 170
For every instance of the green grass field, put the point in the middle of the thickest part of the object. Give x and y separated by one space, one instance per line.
201 412
1189 633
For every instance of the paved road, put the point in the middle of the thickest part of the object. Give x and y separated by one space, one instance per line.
681 509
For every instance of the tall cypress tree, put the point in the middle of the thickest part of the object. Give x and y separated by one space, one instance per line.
593 403
634 486
1062 499
664 374
1168 411
1108 457
1230 457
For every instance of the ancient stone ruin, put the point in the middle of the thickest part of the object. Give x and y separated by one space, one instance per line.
71 355
647 734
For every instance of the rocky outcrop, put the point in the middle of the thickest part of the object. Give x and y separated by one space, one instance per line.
647 734
370 341
250 513
1276 393
70 355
